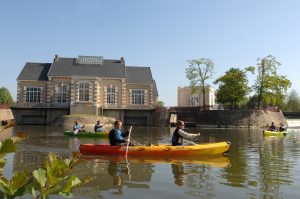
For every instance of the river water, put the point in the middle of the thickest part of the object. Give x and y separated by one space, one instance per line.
255 167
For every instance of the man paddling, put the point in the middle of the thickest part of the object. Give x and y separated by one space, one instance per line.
179 135
77 128
273 127
116 135
98 127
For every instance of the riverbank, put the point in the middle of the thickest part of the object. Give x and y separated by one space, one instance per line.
89 121
6 119
246 118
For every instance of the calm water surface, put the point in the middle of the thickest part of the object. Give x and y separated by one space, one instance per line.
255 167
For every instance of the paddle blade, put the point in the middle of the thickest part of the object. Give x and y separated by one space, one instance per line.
76 131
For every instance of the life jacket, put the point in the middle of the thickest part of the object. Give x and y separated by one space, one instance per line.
120 137
77 126
273 128
176 138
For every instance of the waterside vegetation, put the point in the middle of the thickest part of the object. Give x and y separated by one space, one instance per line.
55 177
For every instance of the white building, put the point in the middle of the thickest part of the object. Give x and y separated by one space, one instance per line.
188 98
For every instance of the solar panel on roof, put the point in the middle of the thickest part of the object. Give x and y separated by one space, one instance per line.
89 60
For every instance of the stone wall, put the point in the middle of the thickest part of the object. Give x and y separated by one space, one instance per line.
88 121
232 118
38 115
6 114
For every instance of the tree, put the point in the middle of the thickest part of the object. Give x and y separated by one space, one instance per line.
198 72
5 96
233 87
270 87
292 101
160 103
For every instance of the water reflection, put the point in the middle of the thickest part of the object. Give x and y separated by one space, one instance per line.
256 166
178 172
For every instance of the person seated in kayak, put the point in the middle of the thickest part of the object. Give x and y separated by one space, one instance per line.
282 127
273 127
179 135
98 127
115 136
77 127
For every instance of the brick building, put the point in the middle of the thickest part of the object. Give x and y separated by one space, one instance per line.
85 85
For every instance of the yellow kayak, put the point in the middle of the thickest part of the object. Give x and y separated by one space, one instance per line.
157 150
275 133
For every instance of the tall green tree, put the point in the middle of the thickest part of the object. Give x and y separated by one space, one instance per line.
292 101
5 96
233 87
198 72
270 87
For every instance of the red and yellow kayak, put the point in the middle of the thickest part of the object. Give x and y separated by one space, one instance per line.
157 150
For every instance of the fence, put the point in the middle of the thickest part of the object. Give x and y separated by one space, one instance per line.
4 106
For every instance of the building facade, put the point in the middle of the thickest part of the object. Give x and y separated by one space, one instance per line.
84 85
188 97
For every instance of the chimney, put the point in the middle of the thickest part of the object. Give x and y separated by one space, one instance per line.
55 58
122 60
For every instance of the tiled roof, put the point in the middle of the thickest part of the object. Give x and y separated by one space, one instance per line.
69 67
35 71
140 75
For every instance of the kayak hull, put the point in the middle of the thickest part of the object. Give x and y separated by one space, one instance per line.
157 150
87 134
275 133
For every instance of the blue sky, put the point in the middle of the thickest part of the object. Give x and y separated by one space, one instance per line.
162 34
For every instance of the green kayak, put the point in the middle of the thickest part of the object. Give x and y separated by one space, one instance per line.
87 134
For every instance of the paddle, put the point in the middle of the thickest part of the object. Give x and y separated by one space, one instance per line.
76 131
130 128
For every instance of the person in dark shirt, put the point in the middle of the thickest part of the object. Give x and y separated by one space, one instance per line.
98 127
179 135
115 136
282 127
273 127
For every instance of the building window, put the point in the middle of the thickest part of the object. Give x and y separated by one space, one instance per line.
84 92
33 94
138 97
62 94
194 101
111 95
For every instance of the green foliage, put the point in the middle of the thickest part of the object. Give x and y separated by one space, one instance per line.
270 87
292 101
160 104
16 186
54 178
5 96
233 88
9 145
198 72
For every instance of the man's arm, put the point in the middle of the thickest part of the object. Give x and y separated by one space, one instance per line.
187 135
